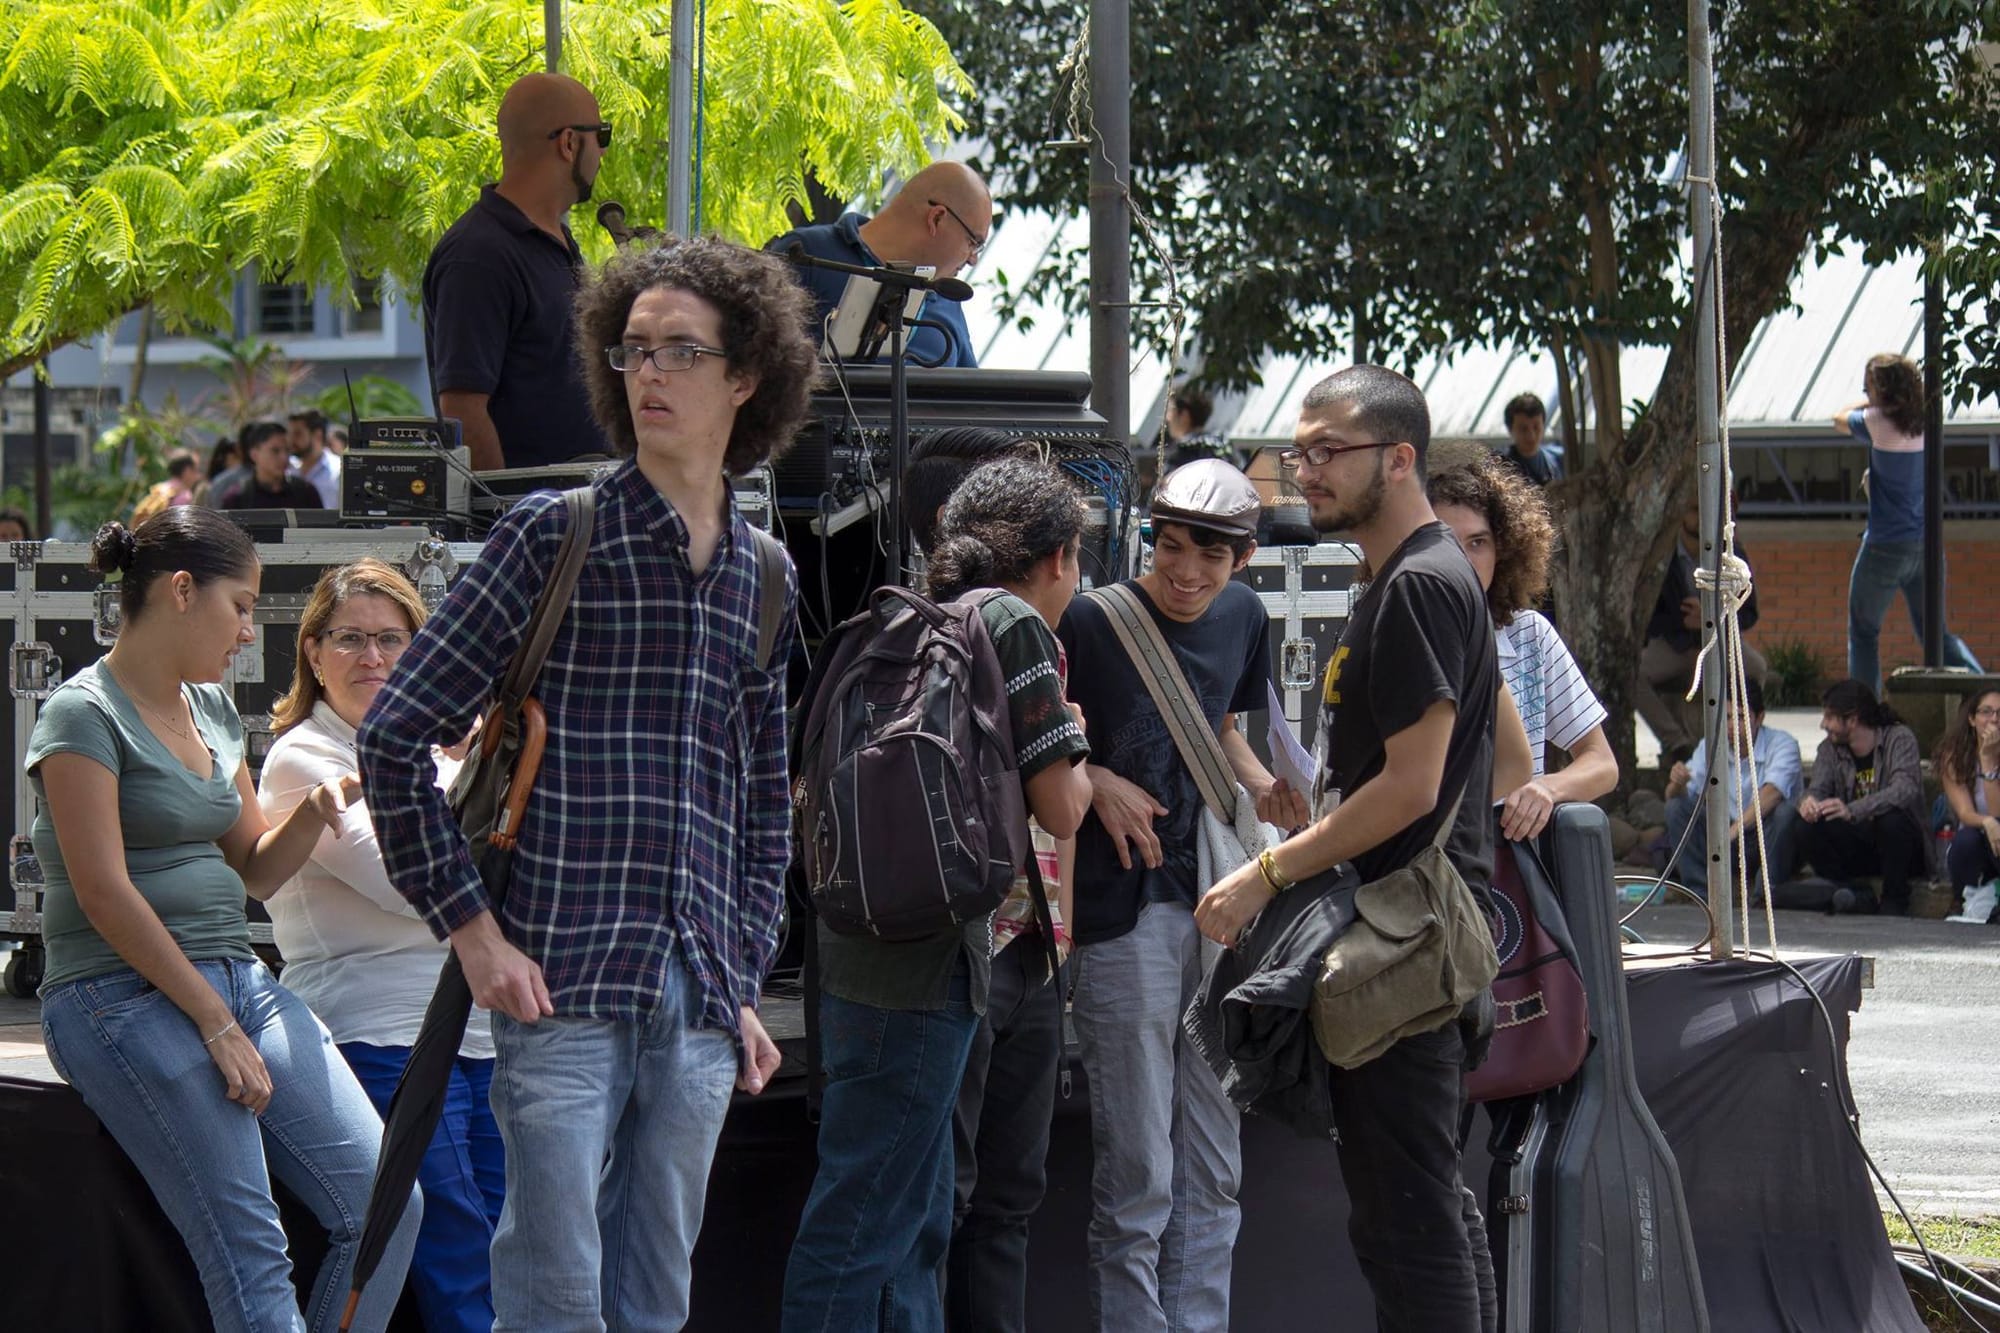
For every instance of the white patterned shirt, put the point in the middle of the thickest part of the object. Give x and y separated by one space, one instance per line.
1556 702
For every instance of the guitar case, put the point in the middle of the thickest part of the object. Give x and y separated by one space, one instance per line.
1586 1216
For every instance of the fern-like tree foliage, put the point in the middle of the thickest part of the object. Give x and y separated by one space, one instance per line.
150 150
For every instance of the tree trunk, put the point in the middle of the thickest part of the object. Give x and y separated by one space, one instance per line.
1620 517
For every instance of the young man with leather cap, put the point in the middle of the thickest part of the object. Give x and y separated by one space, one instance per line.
1166 1157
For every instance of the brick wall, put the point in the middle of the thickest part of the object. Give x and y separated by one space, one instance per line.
1802 570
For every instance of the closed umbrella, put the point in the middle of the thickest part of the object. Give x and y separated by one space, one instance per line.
420 1093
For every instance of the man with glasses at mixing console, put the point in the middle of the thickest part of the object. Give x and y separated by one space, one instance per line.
500 283
941 218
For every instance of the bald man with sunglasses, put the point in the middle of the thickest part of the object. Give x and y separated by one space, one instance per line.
500 283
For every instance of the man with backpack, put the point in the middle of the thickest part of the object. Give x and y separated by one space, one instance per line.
930 734
623 971
1167 1161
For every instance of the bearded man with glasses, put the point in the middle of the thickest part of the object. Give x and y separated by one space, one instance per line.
500 284
942 217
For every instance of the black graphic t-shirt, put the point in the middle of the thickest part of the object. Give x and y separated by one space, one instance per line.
1226 658
1419 634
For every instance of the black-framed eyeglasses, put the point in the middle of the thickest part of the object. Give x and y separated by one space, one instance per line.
602 130
354 642
627 357
978 241
1319 455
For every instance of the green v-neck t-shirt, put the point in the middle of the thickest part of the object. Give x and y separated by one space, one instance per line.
170 819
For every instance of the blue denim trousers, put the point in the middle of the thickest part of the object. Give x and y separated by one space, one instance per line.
1690 868
139 1064
463 1177
1166 1149
1881 570
871 1245
609 1128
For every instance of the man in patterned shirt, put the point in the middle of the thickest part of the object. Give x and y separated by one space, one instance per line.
623 971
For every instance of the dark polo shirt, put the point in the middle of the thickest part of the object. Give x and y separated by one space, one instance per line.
497 313
842 241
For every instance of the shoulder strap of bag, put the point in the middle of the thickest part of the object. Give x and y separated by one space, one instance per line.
553 603
1178 705
1046 920
771 600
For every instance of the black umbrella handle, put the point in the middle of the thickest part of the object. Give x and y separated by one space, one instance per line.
527 766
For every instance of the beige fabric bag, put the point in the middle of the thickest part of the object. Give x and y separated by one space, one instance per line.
1419 949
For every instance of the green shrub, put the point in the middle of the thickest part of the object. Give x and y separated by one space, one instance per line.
1797 674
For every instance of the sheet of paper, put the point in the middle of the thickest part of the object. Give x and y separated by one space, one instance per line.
1289 759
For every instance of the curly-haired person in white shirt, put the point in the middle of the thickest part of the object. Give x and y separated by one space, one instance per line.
1503 523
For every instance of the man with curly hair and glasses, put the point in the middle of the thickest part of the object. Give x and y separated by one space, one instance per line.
623 972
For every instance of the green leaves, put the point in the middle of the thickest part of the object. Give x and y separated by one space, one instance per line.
151 151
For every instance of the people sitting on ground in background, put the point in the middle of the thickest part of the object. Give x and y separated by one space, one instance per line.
358 953
1890 421
1673 641
1968 768
265 483
900 1021
1864 809
14 526
1530 454
183 473
1188 435
212 1077
1503 524
1773 786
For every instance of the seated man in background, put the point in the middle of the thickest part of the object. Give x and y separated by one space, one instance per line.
941 218
1673 641
1864 810
1776 780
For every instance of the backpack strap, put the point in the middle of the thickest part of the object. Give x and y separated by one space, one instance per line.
1179 707
1046 919
553 603
771 593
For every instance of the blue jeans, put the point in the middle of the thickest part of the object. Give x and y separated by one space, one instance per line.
1881 570
609 1130
1781 840
463 1179
1166 1150
1971 860
138 1062
871 1244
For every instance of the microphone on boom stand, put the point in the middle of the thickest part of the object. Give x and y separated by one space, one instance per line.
611 217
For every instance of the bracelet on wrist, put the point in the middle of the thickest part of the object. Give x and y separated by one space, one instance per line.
210 1041
1267 865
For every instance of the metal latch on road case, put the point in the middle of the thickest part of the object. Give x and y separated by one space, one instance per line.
36 670
430 567
108 615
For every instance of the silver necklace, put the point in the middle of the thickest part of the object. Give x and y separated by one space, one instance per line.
185 733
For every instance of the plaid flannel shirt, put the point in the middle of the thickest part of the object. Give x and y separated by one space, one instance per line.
662 812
